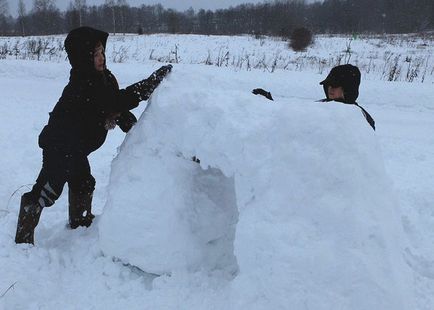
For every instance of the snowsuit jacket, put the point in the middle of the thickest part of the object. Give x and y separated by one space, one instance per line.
77 122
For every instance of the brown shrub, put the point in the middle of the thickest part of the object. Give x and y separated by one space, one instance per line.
300 39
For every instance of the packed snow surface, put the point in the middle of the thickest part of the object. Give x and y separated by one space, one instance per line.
295 204
293 191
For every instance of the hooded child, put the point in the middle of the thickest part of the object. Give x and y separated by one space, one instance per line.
341 85
90 105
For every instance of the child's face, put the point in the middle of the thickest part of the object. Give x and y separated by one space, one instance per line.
335 92
98 58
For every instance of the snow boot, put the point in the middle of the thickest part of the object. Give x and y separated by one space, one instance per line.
80 205
28 219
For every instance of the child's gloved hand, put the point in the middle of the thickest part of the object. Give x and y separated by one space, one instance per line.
163 71
144 89
126 121
260 91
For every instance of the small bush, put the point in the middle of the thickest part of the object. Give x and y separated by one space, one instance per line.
300 39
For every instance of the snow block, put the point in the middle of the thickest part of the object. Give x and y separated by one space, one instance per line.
290 197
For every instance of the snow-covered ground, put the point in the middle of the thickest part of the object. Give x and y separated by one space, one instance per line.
293 258
387 57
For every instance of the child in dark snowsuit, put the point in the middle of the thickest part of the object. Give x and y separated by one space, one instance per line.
341 84
90 104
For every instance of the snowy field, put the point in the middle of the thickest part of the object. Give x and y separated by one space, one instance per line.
322 213
387 57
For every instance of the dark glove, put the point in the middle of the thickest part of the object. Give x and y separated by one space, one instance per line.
260 91
144 89
126 121
163 71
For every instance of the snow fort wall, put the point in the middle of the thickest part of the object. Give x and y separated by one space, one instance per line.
290 197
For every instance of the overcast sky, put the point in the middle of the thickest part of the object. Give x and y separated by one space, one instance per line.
175 4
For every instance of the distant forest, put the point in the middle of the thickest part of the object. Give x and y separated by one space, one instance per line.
276 18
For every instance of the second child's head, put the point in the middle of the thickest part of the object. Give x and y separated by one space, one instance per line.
342 83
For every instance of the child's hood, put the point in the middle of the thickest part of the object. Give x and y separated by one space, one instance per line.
348 77
80 44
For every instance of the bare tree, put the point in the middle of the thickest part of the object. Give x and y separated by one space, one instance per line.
122 5
111 4
43 5
80 6
4 8
21 15
45 17
3 18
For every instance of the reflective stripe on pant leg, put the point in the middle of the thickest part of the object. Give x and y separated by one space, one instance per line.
51 179
47 196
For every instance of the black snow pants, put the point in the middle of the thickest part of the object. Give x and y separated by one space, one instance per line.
59 168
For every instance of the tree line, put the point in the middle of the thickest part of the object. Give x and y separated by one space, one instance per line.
277 18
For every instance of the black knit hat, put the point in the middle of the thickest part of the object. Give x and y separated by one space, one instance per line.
80 44
347 77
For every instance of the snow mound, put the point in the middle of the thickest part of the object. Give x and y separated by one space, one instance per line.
290 201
